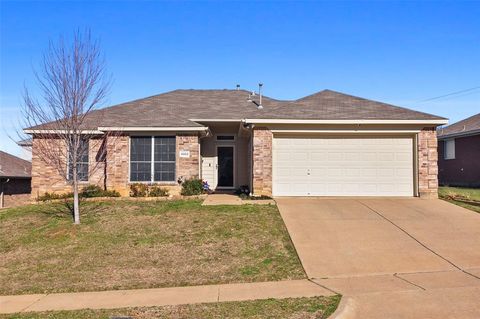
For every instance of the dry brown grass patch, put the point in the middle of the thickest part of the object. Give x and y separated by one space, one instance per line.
124 244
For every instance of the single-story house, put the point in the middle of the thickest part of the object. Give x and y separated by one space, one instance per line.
324 144
459 149
15 179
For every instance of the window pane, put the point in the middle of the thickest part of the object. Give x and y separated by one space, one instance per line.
83 152
164 148
164 158
140 172
225 137
164 172
82 172
449 152
141 149
82 161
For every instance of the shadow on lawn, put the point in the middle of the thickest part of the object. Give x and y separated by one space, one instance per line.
64 209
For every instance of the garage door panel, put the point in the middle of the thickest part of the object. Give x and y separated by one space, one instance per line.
293 189
343 167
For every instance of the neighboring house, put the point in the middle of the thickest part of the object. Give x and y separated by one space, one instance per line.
325 144
26 146
15 179
459 153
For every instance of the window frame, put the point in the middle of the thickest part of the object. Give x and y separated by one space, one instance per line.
152 160
226 140
70 178
445 149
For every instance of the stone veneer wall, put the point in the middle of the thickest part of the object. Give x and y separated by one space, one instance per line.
188 167
47 178
117 162
427 163
262 161
115 168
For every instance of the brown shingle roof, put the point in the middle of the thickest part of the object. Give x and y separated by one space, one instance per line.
467 126
12 166
331 105
176 108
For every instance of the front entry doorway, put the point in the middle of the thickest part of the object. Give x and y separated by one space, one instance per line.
225 167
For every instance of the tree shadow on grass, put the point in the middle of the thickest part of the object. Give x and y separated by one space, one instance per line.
64 209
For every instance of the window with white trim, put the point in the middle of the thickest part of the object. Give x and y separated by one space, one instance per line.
82 162
449 149
152 158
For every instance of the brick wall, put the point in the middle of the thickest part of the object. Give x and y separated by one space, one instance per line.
115 166
16 191
117 162
427 163
262 161
188 167
46 177
464 169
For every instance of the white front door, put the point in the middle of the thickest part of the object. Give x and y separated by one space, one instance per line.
343 166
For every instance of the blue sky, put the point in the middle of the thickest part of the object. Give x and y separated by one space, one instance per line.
396 52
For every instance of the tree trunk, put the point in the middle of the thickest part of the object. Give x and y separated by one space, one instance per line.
76 208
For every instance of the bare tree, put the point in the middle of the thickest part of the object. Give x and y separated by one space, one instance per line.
63 121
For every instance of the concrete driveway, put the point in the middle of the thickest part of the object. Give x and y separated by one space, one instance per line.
385 254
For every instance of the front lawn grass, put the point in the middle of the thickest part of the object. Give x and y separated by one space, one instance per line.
449 194
305 308
127 245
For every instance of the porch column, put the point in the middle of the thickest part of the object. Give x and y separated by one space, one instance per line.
427 163
262 161
188 164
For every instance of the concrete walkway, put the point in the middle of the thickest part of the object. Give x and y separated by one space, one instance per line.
161 296
222 199
231 199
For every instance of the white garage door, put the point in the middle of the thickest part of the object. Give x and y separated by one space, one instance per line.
342 166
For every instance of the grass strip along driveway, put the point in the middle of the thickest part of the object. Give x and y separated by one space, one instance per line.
305 308
465 197
128 245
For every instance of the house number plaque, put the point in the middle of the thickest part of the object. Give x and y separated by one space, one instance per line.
184 153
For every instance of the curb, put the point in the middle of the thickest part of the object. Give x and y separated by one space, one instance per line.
346 309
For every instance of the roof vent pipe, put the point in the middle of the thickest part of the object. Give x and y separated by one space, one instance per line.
260 106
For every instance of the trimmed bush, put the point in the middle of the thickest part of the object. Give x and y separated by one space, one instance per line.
138 190
111 193
92 191
192 187
87 192
97 191
144 190
52 196
157 191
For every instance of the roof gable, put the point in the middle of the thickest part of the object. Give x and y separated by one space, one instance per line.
466 126
12 166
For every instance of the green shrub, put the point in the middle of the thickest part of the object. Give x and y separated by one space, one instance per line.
87 192
97 191
157 191
111 193
92 191
138 190
52 196
192 187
